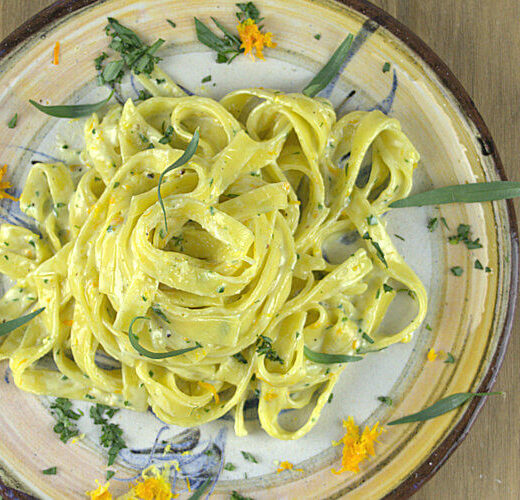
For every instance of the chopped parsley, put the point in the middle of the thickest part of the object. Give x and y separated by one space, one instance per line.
432 224
464 235
62 410
51 471
249 457
229 466
206 79
457 270
235 495
377 248
385 400
478 264
368 338
371 220
449 358
331 396
135 55
386 67
171 23
157 310
111 434
317 36
248 11
220 289
12 122
400 237
97 413
240 358
168 133
110 474
264 348
387 288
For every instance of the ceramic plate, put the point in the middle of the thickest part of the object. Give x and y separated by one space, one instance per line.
468 316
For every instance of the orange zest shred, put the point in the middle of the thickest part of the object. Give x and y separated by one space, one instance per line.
56 53
153 488
153 485
101 493
253 40
356 447
270 396
210 388
432 355
285 465
68 322
5 185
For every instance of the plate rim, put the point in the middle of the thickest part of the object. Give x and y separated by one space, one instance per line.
443 451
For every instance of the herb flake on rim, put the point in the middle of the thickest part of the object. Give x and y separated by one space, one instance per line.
13 121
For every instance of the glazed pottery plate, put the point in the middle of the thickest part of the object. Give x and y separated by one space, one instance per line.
469 315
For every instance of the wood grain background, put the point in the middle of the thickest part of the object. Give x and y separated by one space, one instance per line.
480 42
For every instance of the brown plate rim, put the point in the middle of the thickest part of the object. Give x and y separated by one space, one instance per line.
439 456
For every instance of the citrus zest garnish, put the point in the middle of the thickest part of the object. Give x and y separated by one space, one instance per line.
253 40
56 54
356 447
211 388
285 465
5 185
432 355
101 493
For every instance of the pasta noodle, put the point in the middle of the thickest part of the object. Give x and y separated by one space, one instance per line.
251 267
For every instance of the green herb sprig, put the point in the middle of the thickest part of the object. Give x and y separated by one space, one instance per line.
441 407
134 340
73 111
327 359
331 68
185 158
13 324
227 48
464 193
51 471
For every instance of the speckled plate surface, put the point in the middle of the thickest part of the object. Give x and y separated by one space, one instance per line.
470 316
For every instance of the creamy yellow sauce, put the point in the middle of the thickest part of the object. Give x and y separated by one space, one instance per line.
252 249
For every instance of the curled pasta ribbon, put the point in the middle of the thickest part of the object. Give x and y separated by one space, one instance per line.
274 241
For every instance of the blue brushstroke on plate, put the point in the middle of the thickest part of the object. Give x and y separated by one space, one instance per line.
363 34
11 213
196 466
36 152
6 375
385 106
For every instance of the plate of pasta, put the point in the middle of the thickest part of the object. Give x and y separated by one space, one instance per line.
253 250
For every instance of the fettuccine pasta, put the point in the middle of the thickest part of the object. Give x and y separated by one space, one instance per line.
251 267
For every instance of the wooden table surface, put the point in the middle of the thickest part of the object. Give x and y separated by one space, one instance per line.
480 42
